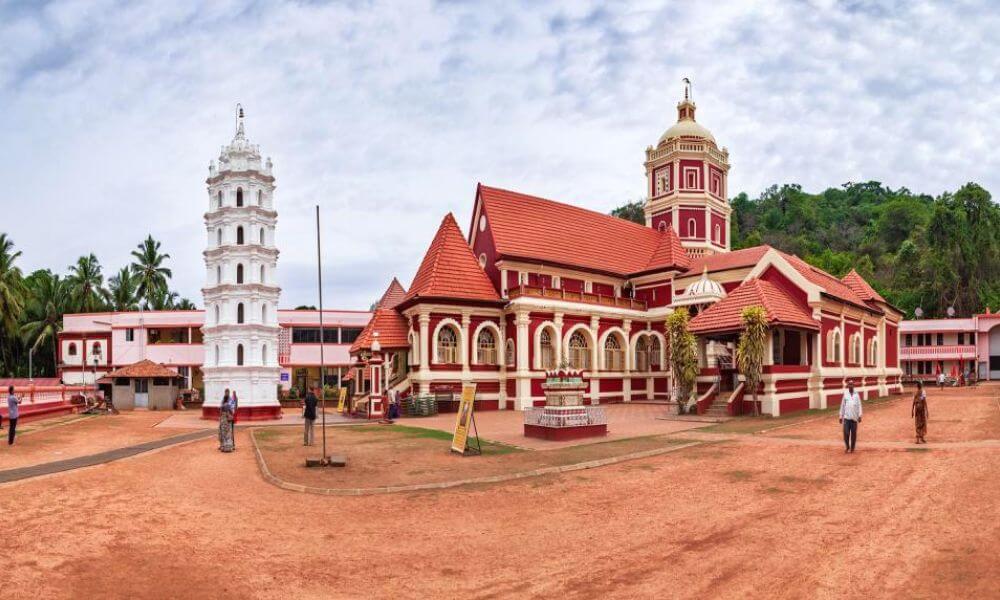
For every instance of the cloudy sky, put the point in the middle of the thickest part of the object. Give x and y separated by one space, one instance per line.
387 114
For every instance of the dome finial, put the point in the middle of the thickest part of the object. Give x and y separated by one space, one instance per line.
688 96
240 133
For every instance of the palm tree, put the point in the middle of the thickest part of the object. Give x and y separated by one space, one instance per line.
123 291
184 304
160 299
751 348
11 295
86 285
48 299
148 267
683 356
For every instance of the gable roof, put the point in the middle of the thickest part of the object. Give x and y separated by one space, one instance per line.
736 259
860 287
393 295
828 283
535 229
450 270
726 314
392 327
143 369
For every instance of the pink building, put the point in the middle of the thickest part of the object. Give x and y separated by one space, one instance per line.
92 345
952 347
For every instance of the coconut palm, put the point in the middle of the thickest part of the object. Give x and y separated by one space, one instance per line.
751 348
122 290
161 299
683 356
48 299
86 285
184 304
148 267
11 297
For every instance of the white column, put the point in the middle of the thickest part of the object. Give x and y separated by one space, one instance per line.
467 344
595 383
557 343
522 319
627 382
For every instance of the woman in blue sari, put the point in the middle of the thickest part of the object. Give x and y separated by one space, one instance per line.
226 441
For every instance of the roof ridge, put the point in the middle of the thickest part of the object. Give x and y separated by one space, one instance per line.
570 206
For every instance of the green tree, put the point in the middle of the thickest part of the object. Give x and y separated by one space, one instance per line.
48 300
12 298
751 349
148 268
123 292
184 304
161 299
683 356
631 211
86 285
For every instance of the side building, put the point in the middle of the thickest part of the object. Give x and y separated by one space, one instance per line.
969 348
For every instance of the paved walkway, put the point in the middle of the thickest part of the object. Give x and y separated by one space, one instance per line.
99 458
785 441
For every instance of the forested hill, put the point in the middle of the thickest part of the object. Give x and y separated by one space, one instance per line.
916 250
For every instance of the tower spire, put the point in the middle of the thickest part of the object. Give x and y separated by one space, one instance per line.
240 133
685 108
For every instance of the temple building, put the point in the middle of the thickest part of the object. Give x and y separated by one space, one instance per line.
537 283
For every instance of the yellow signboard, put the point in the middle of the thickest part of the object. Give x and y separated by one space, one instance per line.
464 420
340 401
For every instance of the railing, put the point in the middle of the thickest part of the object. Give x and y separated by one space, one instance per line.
39 394
535 291
735 403
578 417
706 399
937 352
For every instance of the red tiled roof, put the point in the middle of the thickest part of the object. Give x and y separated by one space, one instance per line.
737 259
392 327
828 283
142 370
669 252
860 286
536 229
726 314
393 295
450 270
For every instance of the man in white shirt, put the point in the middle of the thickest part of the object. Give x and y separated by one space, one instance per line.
940 379
850 416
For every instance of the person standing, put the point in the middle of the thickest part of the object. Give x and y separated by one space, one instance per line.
850 416
236 405
940 380
309 418
919 413
13 412
226 424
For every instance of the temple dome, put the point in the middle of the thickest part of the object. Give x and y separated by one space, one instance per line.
705 288
687 128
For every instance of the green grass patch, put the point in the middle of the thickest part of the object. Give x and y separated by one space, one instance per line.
918 449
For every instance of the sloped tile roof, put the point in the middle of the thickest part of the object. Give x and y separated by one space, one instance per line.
536 229
142 370
860 286
393 295
737 259
392 327
450 270
828 283
726 314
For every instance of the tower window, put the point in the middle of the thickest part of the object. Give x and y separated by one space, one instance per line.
216 356
239 355
261 236
218 237
239 313
239 235
239 196
718 234
263 273
662 226
239 273
263 313
217 322
218 274
263 355
692 228
260 198
219 205
663 181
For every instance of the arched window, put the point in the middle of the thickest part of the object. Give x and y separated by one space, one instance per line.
218 273
71 349
447 346
263 274
579 351
509 353
218 237
833 347
217 322
873 352
216 349
856 349
239 235
547 354
717 236
239 355
239 273
614 356
662 226
239 313
261 236
263 355
95 349
655 354
239 196
486 348
642 354
260 198
692 228
219 205
263 313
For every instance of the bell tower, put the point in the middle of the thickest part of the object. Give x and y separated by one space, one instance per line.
686 178
241 291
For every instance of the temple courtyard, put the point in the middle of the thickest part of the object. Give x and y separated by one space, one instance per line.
660 508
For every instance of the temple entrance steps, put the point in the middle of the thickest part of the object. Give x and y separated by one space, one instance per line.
720 406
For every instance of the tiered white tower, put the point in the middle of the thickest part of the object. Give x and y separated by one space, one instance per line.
241 295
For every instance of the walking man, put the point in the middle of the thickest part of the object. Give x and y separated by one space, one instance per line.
309 418
850 416
12 414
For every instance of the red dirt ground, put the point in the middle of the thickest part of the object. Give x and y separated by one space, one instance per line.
729 520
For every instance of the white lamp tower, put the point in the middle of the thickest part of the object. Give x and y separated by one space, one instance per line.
241 294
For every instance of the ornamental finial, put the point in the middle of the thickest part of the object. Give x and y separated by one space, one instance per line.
687 89
240 133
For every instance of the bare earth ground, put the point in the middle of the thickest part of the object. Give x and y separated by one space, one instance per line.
729 519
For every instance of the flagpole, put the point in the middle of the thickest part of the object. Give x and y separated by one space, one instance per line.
322 333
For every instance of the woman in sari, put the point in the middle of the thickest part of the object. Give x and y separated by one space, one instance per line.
226 442
919 413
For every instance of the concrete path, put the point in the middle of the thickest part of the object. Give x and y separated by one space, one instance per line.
99 458
832 443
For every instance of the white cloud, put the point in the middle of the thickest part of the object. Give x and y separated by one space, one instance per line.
388 113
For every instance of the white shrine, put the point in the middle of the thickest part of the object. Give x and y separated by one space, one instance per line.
241 292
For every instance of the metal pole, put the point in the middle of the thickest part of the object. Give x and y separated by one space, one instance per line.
31 371
322 333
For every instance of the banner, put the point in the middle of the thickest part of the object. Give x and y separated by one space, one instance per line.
464 419
340 401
